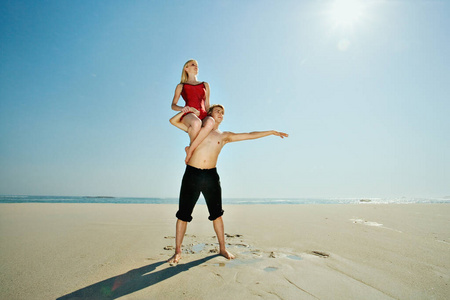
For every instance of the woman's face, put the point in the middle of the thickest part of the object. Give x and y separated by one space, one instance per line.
191 67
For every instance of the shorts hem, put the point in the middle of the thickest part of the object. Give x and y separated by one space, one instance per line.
184 219
212 218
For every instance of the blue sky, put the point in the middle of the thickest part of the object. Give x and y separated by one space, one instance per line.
86 87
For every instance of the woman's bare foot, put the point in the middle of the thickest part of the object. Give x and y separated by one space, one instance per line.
188 154
227 254
173 261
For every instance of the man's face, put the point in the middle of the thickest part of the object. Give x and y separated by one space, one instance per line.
217 114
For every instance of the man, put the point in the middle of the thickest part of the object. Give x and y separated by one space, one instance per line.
201 176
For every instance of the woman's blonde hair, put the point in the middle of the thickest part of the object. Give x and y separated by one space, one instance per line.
184 75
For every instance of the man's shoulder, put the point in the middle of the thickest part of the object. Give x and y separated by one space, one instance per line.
219 133
225 136
223 133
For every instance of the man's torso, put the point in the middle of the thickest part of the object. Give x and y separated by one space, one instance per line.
206 154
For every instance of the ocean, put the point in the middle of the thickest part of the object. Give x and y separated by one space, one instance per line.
230 201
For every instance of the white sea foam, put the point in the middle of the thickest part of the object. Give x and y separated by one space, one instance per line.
374 224
364 222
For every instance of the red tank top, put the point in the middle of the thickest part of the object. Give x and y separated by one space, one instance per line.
194 96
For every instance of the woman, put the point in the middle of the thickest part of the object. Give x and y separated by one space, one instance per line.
196 96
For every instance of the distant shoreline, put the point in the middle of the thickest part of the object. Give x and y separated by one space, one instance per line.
226 201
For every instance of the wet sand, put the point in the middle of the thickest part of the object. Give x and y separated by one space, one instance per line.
110 251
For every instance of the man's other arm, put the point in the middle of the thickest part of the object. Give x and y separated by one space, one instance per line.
176 120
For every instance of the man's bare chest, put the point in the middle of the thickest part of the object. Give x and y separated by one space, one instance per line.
213 141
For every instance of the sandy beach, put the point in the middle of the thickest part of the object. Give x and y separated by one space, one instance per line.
110 251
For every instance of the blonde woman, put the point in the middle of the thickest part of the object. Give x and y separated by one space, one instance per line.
196 95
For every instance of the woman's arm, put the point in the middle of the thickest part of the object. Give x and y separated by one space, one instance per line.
236 137
176 97
207 93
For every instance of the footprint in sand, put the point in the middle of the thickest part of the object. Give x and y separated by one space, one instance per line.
294 257
198 247
232 235
320 254
238 245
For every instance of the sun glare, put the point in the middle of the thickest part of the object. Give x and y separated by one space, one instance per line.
346 12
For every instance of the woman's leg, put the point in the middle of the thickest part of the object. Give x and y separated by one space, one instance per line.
208 125
194 124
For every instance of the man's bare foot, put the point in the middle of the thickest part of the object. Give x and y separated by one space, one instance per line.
173 261
188 154
227 254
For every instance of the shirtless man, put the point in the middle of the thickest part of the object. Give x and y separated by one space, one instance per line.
201 176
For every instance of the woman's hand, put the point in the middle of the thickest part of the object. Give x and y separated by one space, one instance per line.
195 111
188 109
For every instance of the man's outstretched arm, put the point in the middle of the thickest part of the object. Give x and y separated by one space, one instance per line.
236 137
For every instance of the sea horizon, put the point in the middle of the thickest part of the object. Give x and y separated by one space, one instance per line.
226 201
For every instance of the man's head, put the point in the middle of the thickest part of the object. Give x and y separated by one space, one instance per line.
217 111
210 110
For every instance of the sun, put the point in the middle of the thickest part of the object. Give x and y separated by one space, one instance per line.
345 13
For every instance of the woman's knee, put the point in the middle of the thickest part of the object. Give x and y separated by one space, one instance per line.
195 124
209 122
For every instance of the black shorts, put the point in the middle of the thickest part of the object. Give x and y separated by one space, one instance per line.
196 181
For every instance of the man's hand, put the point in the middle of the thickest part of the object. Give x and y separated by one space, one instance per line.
280 134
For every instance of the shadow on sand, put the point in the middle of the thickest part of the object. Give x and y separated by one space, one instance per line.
132 281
